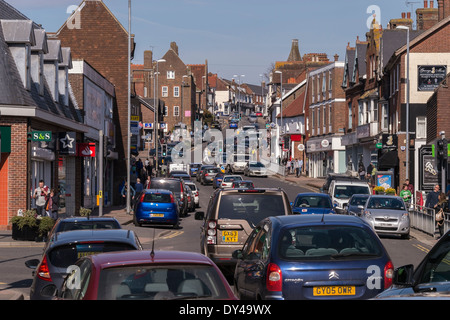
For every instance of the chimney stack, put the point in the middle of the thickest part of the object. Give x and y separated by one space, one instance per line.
425 4
294 55
336 57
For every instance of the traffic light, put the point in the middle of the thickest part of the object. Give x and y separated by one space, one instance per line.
164 150
442 151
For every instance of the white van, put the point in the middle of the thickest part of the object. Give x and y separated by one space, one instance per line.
341 191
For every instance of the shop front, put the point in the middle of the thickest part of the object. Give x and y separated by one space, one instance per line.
325 155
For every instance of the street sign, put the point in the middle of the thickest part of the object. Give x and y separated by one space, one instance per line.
379 145
41 136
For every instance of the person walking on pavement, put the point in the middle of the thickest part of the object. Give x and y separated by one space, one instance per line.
432 198
442 204
125 191
52 204
300 167
40 195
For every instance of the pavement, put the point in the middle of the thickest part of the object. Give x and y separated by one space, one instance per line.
121 215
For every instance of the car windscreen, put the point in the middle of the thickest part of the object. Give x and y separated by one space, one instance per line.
163 282
313 202
65 255
252 207
328 243
193 187
389 203
345 192
86 225
157 197
358 201
171 185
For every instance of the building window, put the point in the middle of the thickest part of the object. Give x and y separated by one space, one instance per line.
421 125
176 111
166 111
375 111
176 92
170 74
361 113
165 91
385 117
350 116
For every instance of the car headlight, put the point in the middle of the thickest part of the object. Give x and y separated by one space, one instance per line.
405 215
367 214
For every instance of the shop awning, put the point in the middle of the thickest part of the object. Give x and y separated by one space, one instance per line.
388 160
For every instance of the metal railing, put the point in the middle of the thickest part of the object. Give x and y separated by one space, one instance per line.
424 219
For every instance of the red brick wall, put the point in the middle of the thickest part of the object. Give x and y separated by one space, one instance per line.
103 43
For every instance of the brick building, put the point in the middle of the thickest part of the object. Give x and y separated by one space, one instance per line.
95 35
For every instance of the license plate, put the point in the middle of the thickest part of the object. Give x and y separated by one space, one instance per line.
229 236
157 215
334 291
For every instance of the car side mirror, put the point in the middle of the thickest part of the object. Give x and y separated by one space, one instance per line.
321 190
32 264
237 254
199 215
360 207
404 275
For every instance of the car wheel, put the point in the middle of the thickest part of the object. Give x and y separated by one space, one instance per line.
136 223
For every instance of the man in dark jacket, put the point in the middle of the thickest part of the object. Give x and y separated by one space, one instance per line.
432 198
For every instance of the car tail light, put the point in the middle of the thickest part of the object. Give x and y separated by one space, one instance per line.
274 278
182 196
172 199
142 197
206 174
196 193
388 274
43 271
211 232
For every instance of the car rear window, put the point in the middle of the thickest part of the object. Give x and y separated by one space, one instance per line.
193 187
328 243
157 197
345 192
212 170
182 281
250 206
171 185
231 179
313 202
66 255
358 201
87 225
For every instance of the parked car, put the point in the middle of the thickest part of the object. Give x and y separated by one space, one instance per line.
341 191
254 168
243 184
194 167
387 215
195 193
356 204
259 114
312 203
208 175
67 248
175 185
84 223
156 206
233 124
431 278
145 275
229 179
190 197
312 257
230 218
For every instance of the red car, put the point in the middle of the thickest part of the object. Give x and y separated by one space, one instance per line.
144 275
259 114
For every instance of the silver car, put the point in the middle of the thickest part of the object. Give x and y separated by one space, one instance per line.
387 215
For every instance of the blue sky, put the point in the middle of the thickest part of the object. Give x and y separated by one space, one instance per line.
236 37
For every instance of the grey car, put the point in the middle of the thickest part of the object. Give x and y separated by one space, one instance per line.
255 169
387 215
356 204
208 175
65 248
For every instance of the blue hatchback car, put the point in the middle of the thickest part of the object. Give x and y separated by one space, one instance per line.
312 257
312 203
156 206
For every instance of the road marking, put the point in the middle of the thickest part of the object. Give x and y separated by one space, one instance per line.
169 235
421 248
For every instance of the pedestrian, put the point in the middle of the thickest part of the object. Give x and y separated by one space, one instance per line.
296 167
52 204
300 167
405 194
432 198
288 167
40 195
148 182
139 186
442 204
361 171
292 167
370 168
124 193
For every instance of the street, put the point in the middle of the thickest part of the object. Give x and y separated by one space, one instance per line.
15 275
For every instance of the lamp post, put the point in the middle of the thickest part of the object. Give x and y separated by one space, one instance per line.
156 114
239 96
407 98
281 100
129 111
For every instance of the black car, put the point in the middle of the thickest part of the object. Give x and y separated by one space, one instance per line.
176 185
356 204
66 248
431 276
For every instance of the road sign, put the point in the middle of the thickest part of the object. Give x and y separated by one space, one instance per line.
379 145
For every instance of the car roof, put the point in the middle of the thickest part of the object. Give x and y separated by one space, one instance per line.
90 218
314 194
319 218
157 191
250 191
140 257
350 181
73 236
